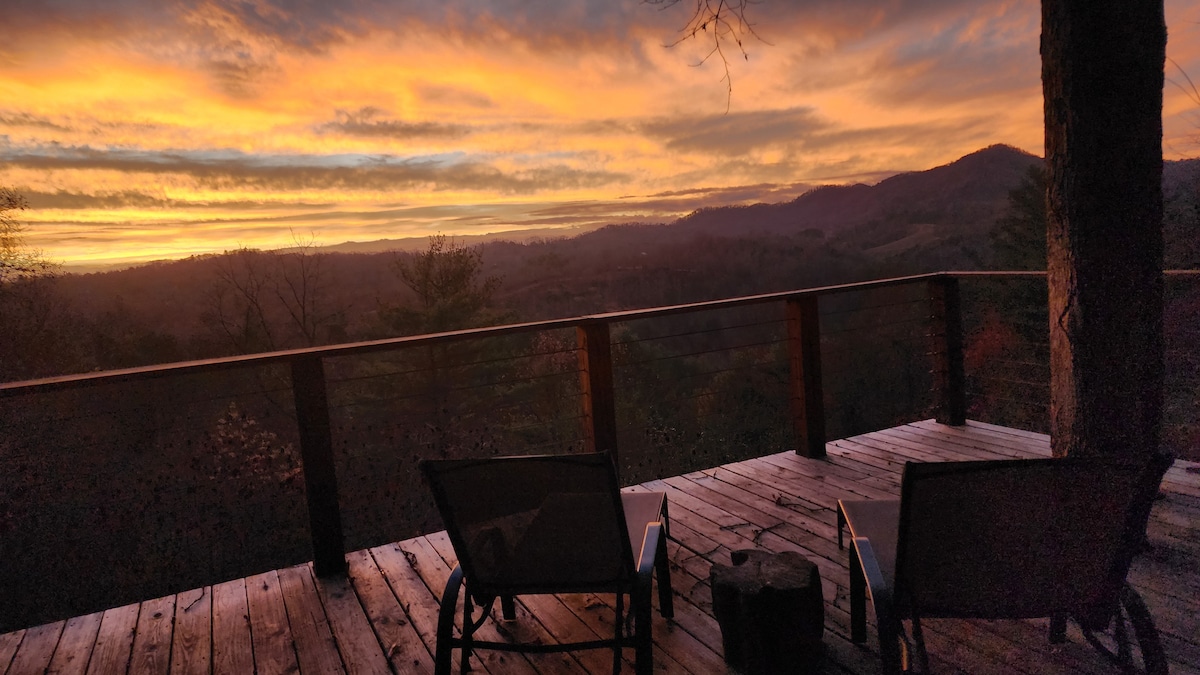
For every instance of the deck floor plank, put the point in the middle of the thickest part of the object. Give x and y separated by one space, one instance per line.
233 651
75 646
316 650
270 633
401 642
152 643
114 641
36 649
417 600
383 617
9 642
360 650
191 650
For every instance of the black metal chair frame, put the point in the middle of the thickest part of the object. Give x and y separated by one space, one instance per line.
893 598
635 577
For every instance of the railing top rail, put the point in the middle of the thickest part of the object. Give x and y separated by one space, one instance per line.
11 389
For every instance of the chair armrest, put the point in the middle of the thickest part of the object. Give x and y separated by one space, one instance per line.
877 586
645 562
880 592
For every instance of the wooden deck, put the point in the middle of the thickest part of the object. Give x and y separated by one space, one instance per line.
382 619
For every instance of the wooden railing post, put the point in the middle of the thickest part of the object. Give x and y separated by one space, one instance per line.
804 358
596 378
949 380
320 478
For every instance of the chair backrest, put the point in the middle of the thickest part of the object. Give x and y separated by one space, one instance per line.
1019 538
534 524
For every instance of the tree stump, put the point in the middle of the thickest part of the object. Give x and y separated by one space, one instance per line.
771 612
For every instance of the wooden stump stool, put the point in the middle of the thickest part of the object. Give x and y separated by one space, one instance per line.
771 612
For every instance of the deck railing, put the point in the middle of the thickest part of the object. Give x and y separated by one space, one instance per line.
323 392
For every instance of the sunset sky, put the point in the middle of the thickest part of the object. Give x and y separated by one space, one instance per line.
147 129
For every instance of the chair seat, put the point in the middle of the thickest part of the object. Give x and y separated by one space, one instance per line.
879 521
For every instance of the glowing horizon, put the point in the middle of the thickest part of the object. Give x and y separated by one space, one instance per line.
150 130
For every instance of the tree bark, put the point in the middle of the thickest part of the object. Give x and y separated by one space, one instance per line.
1102 78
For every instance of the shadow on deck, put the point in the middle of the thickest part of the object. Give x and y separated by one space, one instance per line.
383 617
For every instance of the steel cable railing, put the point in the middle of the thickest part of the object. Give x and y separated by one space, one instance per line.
199 470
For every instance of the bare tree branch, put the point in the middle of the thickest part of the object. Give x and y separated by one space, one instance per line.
1192 93
721 22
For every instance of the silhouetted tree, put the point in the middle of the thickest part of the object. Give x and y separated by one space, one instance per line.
449 289
238 301
29 304
1019 238
267 300
1102 80
17 259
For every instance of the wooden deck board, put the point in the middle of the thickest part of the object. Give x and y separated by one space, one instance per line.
114 641
360 650
75 646
401 642
37 648
383 617
191 650
316 650
232 646
270 632
9 642
152 640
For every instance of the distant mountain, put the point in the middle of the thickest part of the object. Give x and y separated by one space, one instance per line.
969 189
422 243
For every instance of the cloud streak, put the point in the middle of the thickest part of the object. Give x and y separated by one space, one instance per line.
226 169
372 122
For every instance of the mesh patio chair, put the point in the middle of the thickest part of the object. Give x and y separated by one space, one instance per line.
548 524
1009 539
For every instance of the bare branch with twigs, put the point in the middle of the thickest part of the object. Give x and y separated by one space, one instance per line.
721 22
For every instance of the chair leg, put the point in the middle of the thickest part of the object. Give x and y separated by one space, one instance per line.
919 642
666 597
643 642
858 599
841 525
467 631
1154 659
892 657
508 608
445 629
1058 628
618 633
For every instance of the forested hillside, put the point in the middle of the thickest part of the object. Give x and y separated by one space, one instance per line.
949 217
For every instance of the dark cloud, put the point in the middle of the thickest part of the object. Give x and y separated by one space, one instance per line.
315 25
371 123
965 61
798 132
454 96
230 169
10 118
125 199
735 133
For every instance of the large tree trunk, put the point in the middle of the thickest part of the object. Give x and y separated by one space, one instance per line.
1102 77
